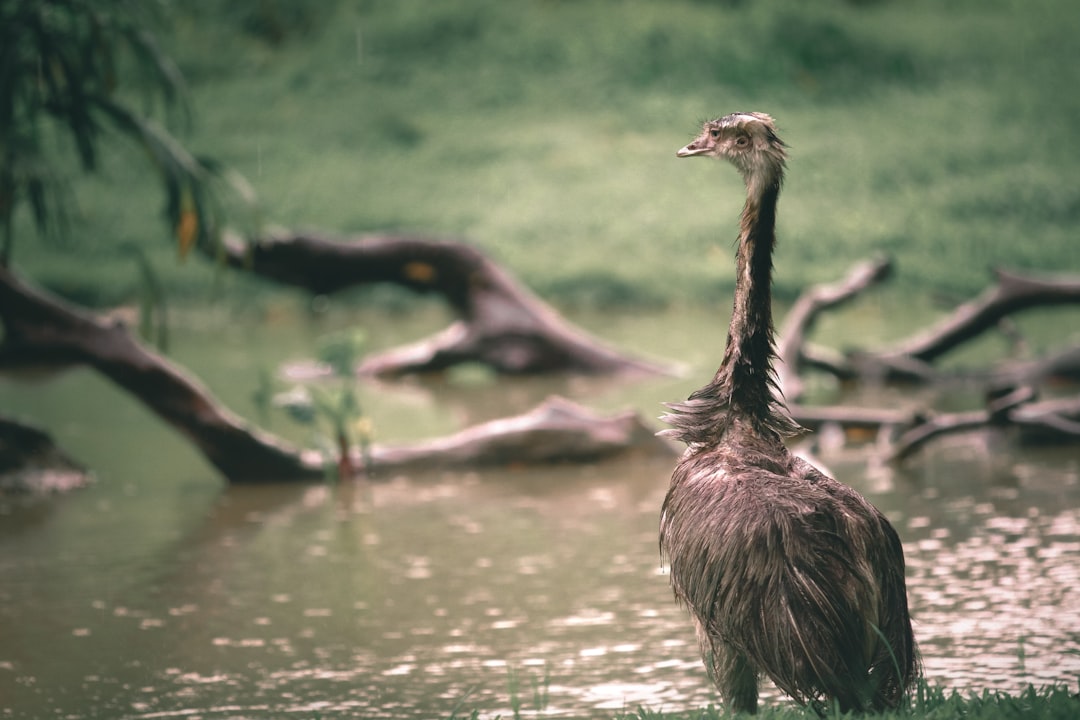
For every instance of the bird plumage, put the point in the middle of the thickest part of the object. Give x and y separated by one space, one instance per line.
785 571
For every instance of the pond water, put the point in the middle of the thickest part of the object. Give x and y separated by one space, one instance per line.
158 592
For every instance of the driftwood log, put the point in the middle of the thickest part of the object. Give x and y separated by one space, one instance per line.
1012 400
1012 293
913 358
502 324
556 431
42 331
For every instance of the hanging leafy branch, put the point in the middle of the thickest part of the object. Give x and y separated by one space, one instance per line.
60 70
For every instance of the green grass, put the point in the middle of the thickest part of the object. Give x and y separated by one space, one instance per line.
927 703
544 132
924 702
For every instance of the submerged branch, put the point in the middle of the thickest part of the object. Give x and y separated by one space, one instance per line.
1039 421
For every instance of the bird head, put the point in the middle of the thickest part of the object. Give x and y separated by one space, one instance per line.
748 140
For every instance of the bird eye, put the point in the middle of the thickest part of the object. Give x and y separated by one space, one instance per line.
714 133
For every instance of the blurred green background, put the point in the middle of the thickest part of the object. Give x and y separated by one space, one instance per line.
944 133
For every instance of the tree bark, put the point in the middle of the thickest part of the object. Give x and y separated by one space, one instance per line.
502 325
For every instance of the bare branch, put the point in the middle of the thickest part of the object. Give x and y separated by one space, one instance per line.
1013 292
806 310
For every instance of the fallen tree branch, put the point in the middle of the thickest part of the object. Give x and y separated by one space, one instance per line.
1012 293
913 359
996 413
902 432
1048 420
503 325
1063 365
41 330
556 431
804 313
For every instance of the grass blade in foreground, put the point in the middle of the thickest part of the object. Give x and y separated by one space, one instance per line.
1053 703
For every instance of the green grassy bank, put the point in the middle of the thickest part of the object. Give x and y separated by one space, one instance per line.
945 134
1047 704
927 703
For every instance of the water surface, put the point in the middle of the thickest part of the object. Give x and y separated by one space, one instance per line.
159 592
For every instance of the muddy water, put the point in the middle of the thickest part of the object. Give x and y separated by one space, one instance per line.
160 593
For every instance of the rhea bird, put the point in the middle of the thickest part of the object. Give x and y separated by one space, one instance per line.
786 572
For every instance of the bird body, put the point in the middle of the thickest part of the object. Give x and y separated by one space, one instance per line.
785 571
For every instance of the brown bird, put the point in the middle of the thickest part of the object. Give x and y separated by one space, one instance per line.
786 572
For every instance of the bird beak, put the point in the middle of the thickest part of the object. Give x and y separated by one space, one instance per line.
695 148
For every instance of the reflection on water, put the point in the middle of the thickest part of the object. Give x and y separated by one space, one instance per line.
416 597
157 594
999 606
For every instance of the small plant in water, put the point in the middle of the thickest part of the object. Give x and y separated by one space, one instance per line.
333 409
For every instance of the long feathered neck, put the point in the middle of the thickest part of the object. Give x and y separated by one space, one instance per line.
745 376
743 388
